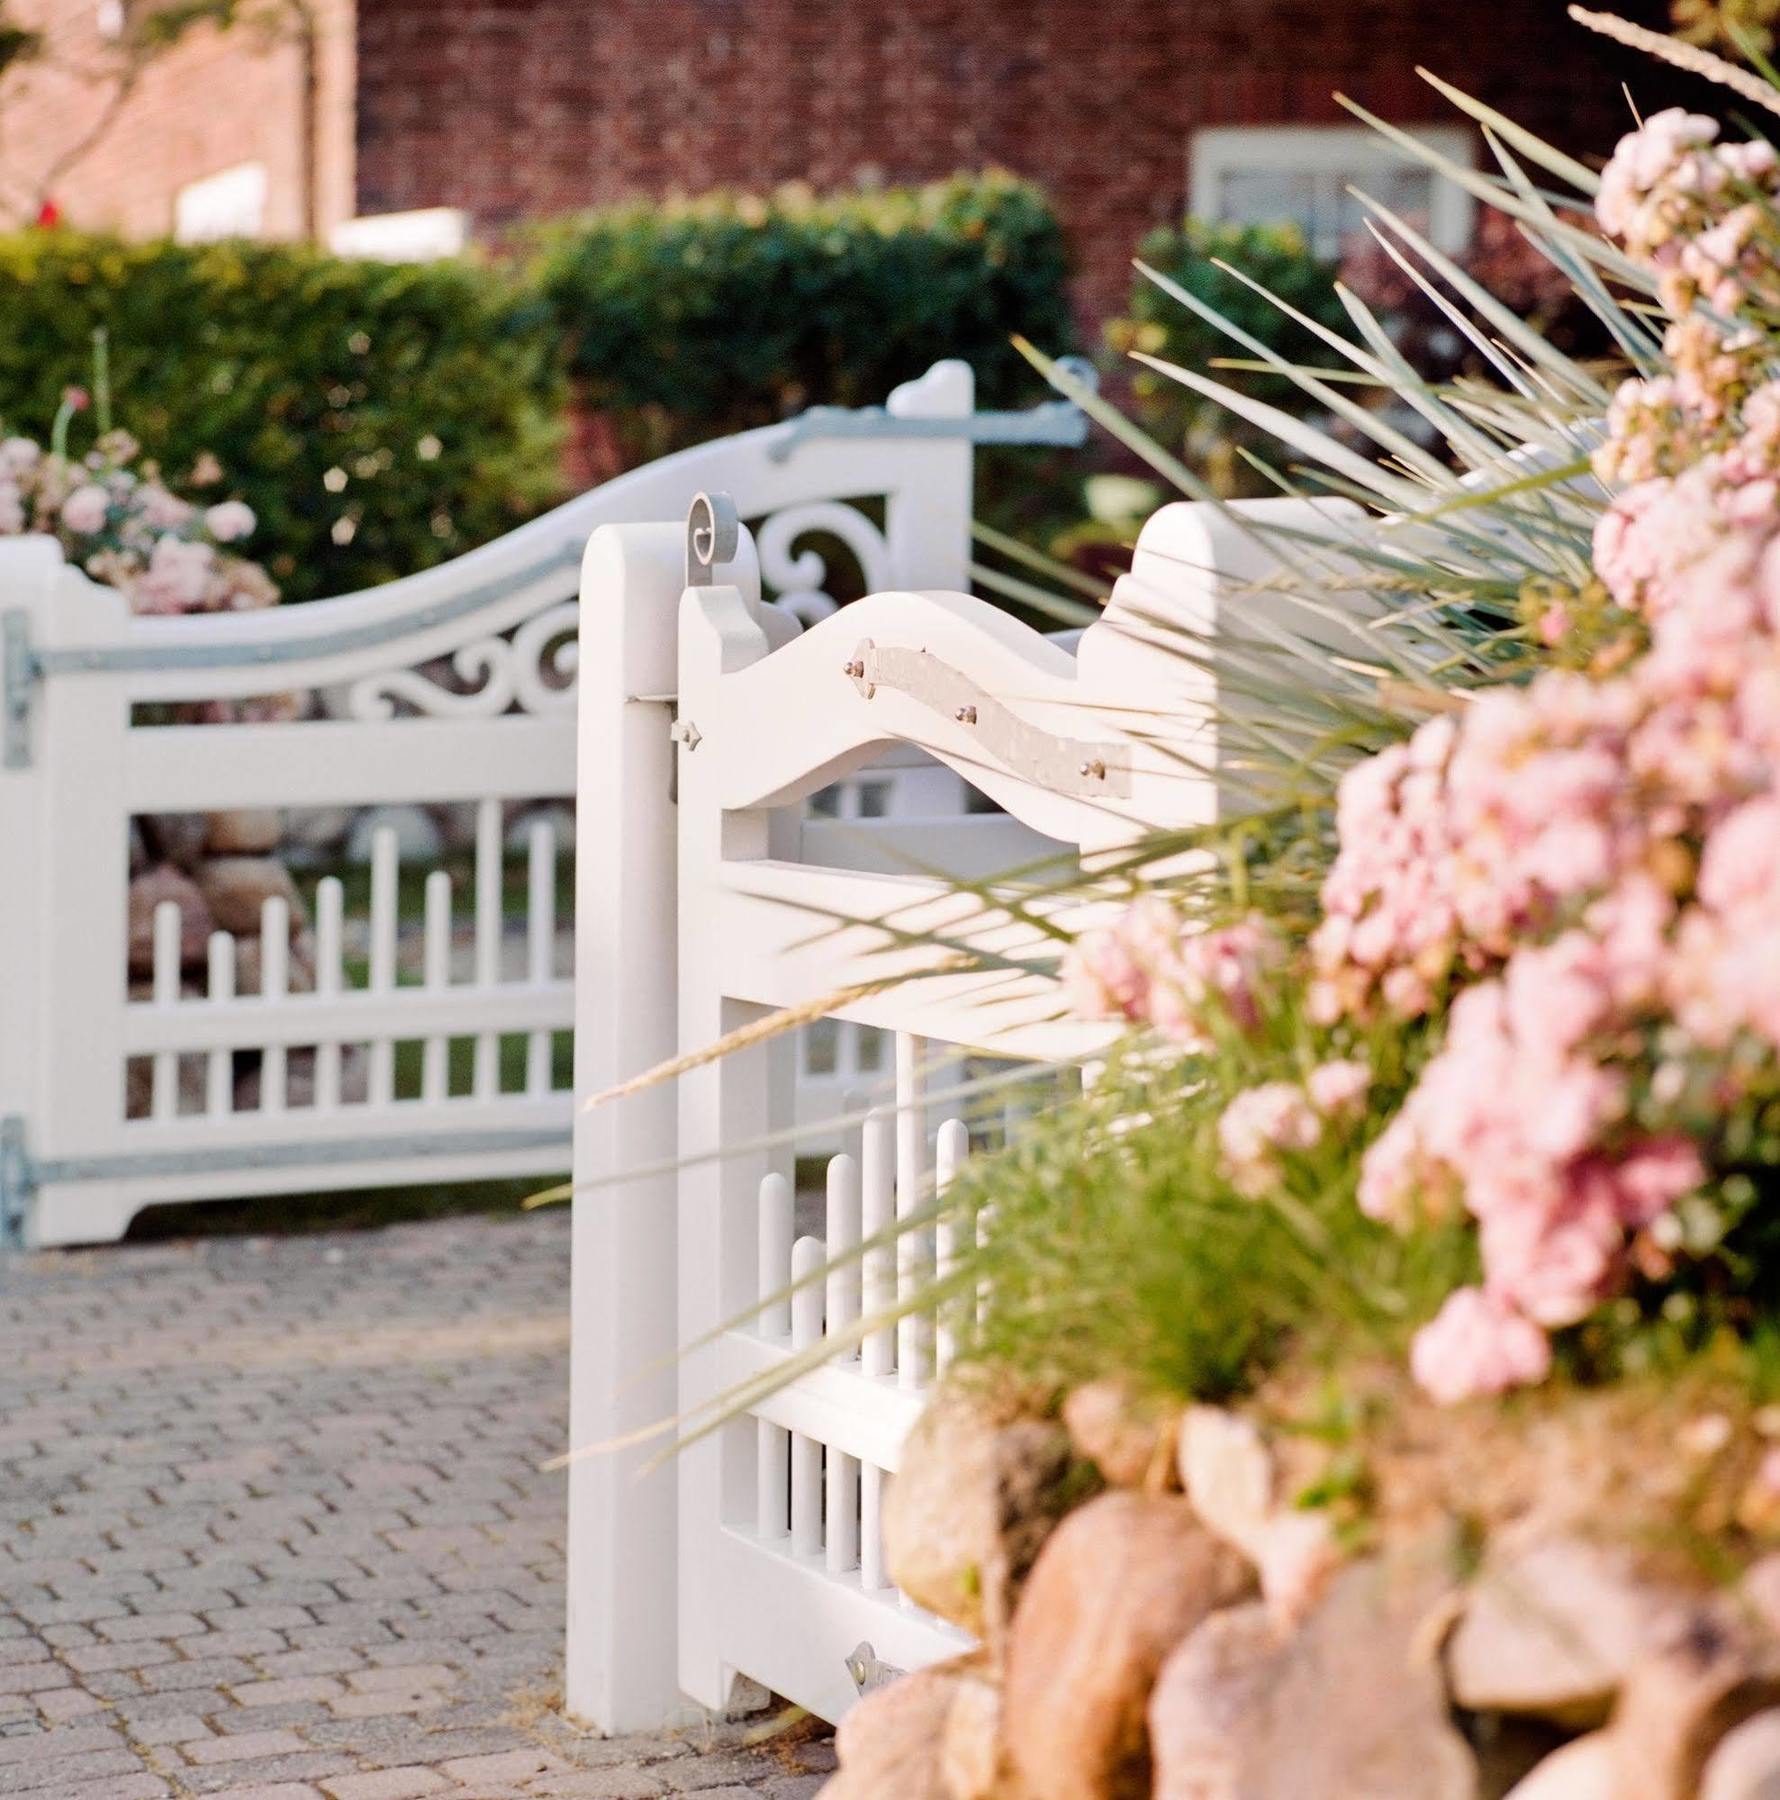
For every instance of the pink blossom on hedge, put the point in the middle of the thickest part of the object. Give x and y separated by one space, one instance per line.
1259 1124
176 577
86 509
1478 1345
1338 1089
229 521
126 529
1155 967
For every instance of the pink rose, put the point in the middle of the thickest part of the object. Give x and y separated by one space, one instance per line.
86 509
1338 1089
1478 1344
229 521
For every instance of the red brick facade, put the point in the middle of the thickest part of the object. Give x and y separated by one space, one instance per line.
215 102
514 108
519 107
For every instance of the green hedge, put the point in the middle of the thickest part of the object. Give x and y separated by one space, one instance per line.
378 418
381 418
696 317
1275 256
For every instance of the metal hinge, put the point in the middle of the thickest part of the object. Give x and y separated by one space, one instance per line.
19 673
18 1181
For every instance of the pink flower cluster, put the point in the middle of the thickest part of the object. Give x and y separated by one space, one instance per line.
1577 879
125 528
1694 211
1153 967
1276 1118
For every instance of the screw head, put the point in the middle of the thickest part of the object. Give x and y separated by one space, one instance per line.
855 669
1093 771
966 715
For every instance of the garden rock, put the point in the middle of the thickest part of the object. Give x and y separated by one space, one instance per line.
418 837
889 1744
190 1092
237 887
971 1766
316 834
1209 1699
1119 1584
980 1488
1584 1769
250 961
245 831
299 1080
178 838
1128 1435
1704 1676
147 892
1551 1628
1746 1764
1350 1707
1228 1473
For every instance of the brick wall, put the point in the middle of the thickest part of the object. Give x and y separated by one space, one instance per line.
518 107
512 108
213 103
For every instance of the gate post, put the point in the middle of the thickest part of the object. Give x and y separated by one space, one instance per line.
621 1538
64 871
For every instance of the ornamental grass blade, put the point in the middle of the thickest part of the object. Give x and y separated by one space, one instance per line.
1533 148
1316 445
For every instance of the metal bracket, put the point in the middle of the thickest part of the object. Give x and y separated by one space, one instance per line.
18 1181
1058 423
713 536
1076 767
19 674
868 1672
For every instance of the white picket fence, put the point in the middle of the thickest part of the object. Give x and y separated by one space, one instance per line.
81 755
755 1552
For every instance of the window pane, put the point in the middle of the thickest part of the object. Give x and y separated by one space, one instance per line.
1315 198
821 1044
870 1048
1267 196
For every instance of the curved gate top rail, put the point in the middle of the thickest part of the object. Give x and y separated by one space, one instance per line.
223 655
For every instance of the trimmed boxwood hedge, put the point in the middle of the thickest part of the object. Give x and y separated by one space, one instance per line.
378 418
694 317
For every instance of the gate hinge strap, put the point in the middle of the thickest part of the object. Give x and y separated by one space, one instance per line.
18 1181
20 672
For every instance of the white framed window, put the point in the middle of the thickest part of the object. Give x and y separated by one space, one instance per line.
425 235
1265 174
231 203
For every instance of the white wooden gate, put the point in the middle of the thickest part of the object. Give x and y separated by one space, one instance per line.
769 1566
82 755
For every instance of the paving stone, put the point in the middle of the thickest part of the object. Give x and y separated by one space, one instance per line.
271 1511
242 1746
387 1784
275 1790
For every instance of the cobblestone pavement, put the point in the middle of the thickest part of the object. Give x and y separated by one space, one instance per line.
272 1528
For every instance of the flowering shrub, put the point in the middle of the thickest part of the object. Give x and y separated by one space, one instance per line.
1567 892
116 519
